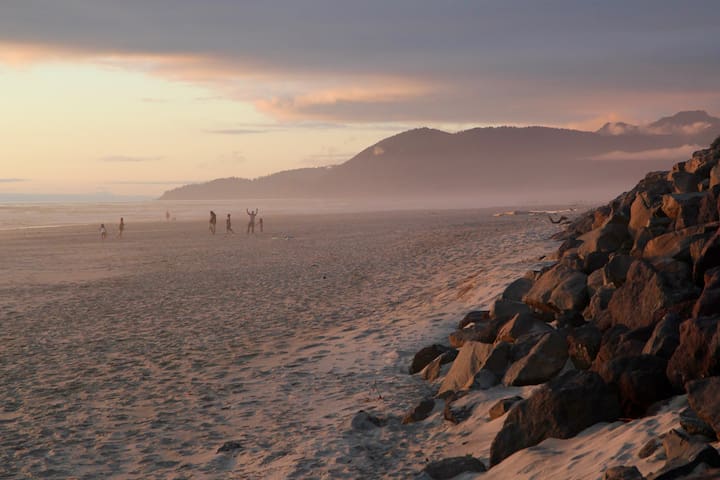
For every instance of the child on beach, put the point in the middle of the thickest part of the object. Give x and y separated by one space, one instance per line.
103 232
228 225
260 224
121 227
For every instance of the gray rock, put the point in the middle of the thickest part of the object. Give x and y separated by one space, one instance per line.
647 290
583 345
452 467
484 380
684 455
471 358
639 380
562 408
433 370
475 316
501 407
560 288
420 412
519 325
615 272
623 473
230 447
694 425
698 354
364 421
543 362
649 448
704 399
506 309
665 337
426 355
517 289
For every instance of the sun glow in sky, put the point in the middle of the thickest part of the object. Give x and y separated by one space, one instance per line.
135 98
84 128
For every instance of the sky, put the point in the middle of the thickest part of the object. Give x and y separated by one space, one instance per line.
137 97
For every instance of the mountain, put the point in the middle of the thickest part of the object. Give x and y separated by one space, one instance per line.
529 164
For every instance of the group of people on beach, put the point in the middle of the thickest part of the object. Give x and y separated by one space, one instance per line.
121 229
228 222
213 223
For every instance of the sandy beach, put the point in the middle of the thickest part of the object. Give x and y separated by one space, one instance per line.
140 357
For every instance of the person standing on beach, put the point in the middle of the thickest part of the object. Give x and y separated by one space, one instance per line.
251 223
167 215
228 225
213 222
103 232
260 224
121 227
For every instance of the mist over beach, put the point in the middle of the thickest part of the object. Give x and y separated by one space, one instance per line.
359 240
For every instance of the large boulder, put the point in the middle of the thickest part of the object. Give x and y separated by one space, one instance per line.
542 363
583 345
595 281
702 162
474 317
684 454
676 244
419 412
708 303
517 289
619 341
472 358
562 408
623 473
641 211
519 325
610 237
503 310
452 467
684 182
683 208
484 331
615 271
693 424
709 258
704 399
560 288
698 354
426 355
648 288
640 381
665 337
599 302
433 370
502 406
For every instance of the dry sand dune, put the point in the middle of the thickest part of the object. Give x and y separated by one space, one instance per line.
140 357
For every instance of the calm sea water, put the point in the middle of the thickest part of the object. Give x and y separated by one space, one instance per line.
38 215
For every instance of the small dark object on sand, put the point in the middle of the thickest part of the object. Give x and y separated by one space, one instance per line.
230 446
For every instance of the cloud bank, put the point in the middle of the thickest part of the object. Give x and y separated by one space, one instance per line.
407 60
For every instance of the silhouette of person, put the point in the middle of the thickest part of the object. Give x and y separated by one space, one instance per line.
213 222
251 224
260 224
103 231
121 227
228 225
167 215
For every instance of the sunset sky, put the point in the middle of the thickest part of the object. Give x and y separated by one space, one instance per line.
136 97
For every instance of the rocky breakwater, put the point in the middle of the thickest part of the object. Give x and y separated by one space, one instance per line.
628 316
